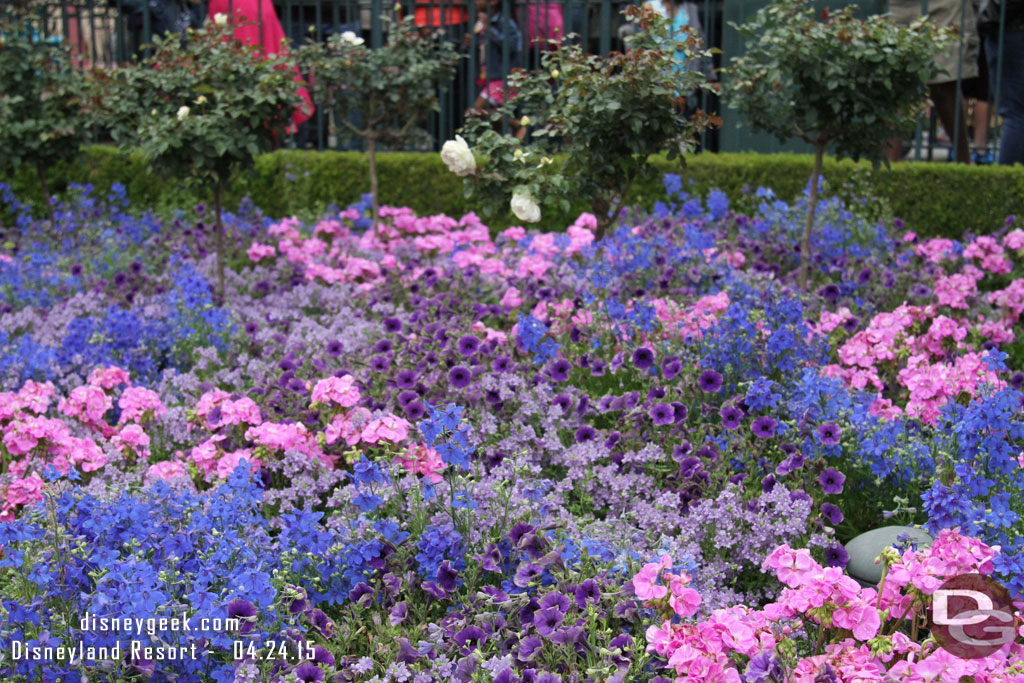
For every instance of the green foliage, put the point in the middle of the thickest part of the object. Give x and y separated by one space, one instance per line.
392 86
841 82
41 121
605 116
941 200
196 108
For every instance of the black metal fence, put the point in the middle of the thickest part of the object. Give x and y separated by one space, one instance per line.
110 32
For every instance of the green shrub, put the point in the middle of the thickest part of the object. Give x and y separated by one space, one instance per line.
934 199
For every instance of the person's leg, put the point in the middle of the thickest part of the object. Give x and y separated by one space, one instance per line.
1010 91
981 117
945 97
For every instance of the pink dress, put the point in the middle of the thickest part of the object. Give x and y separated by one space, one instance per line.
544 23
272 37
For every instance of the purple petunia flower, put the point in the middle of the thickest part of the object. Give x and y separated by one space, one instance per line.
671 367
470 638
547 620
529 647
764 427
309 673
468 344
832 513
643 358
585 433
830 292
662 414
433 589
406 379
415 410
764 668
587 592
380 364
710 381
681 451
831 480
559 370
525 573
245 612
563 402
502 364
460 377
555 599
322 656
836 556
398 613
829 433
361 594
392 325
731 416
597 368
447 577
690 466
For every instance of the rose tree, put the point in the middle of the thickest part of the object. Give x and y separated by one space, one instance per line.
394 86
40 114
606 117
840 83
197 110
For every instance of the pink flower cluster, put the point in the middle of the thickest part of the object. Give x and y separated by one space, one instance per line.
221 416
690 321
331 253
423 460
855 625
919 363
77 435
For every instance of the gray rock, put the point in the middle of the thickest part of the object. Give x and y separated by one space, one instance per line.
865 548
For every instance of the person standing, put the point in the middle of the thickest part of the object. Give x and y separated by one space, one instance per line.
256 23
1006 63
958 62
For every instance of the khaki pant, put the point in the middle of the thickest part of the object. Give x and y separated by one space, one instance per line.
946 13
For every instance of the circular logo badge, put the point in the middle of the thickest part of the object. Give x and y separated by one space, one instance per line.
972 616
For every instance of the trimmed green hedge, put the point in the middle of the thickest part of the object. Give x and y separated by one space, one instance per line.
933 198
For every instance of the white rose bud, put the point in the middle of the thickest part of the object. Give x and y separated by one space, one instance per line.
351 38
554 73
525 121
220 19
457 156
183 113
201 99
524 207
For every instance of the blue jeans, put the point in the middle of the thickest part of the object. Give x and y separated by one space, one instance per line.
1011 92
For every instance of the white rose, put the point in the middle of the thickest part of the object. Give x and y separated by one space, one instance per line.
524 207
201 99
220 18
183 113
457 156
351 38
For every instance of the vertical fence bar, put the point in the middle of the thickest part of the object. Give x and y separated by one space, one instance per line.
958 99
376 29
605 37
1000 58
918 132
506 56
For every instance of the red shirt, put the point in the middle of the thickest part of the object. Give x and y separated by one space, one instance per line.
272 37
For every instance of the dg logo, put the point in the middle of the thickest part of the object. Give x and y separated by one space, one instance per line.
972 616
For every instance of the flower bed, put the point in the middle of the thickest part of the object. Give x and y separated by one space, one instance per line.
433 453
